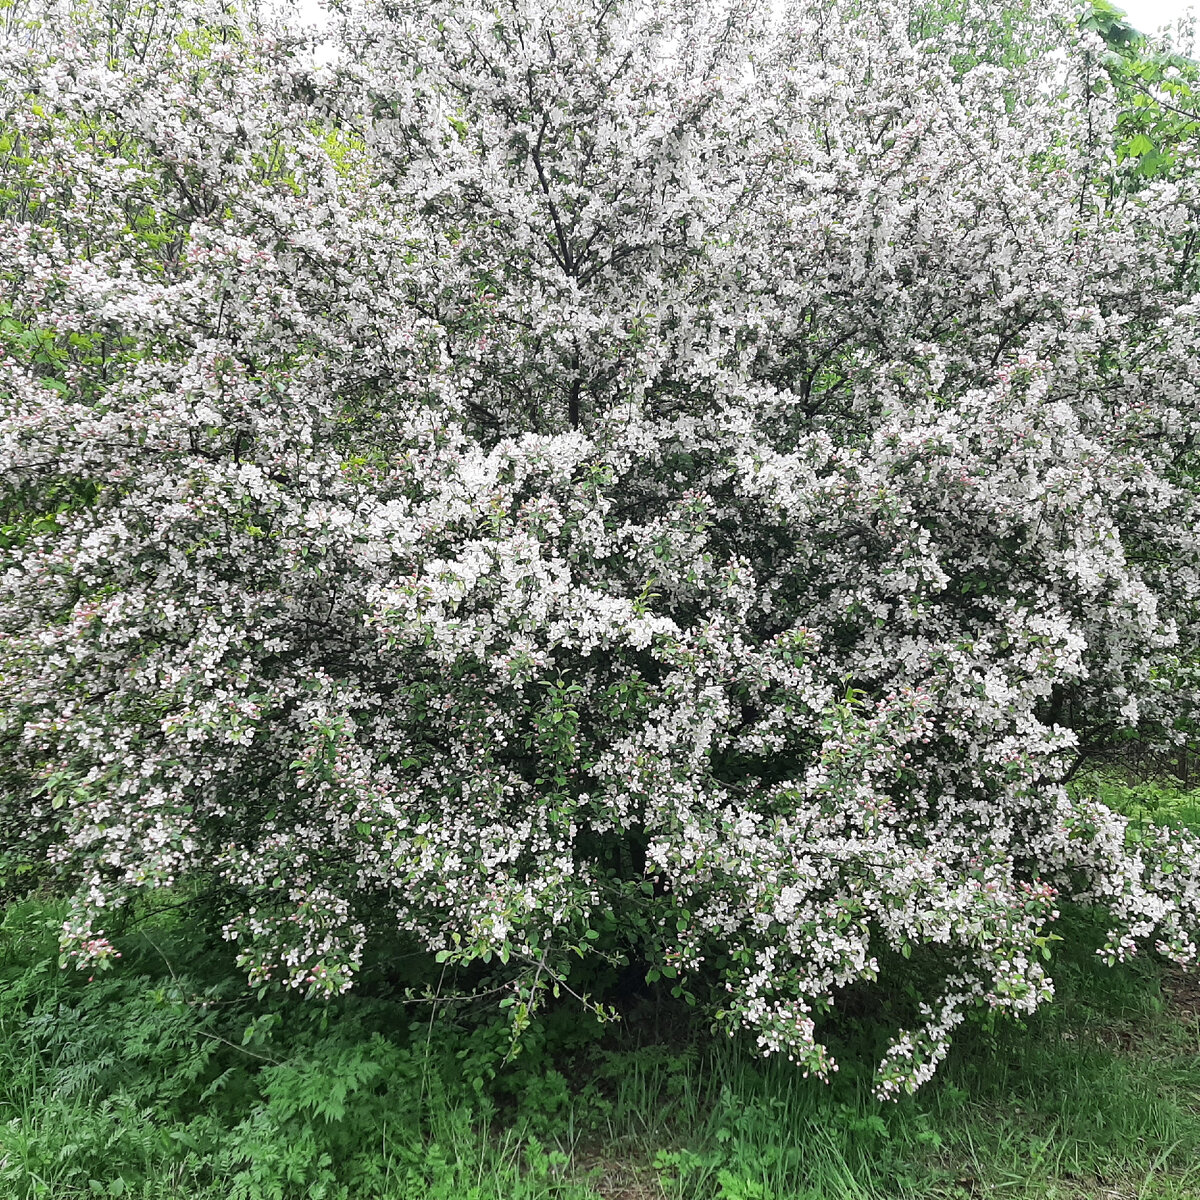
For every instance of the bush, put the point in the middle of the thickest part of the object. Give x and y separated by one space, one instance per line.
634 479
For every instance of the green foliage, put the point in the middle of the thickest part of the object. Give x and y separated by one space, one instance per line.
165 1078
1147 803
1158 89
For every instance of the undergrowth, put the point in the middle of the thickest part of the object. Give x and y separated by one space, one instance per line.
166 1079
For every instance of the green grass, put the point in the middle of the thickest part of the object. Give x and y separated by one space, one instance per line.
1098 1097
1145 801
164 1079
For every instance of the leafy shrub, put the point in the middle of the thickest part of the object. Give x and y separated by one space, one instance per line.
166 1073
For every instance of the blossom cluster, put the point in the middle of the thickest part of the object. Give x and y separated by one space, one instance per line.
674 466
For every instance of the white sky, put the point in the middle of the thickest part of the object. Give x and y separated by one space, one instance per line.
1147 16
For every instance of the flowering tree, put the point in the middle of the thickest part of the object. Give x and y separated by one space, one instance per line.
656 474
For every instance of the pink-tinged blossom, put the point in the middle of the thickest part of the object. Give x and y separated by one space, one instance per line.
556 465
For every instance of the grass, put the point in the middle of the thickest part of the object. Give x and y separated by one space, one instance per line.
164 1080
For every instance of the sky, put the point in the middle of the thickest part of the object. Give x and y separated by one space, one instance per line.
1146 16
